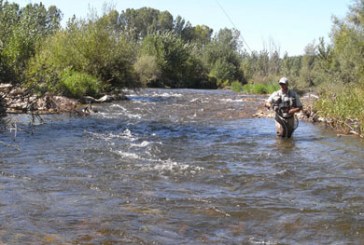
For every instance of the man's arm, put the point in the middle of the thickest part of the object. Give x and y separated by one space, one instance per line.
298 105
268 102
295 110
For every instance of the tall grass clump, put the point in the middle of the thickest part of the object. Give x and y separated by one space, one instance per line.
344 105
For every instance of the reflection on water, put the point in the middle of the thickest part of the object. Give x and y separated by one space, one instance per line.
285 145
178 167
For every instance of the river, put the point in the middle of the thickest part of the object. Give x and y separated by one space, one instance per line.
178 167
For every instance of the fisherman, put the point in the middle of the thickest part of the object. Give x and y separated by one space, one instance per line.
285 102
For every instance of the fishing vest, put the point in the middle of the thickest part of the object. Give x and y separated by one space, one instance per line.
282 103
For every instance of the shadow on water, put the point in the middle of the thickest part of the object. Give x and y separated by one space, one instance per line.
179 167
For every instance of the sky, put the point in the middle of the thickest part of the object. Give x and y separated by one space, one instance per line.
272 25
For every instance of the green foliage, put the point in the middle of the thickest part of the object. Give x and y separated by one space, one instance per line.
201 34
171 55
78 84
85 47
344 103
147 69
255 88
250 88
237 87
223 71
260 88
138 23
342 66
263 67
51 59
101 52
223 59
20 31
176 62
195 72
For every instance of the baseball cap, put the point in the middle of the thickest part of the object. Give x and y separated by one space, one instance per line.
283 80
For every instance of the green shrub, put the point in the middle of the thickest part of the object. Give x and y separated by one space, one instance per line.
258 88
147 69
78 84
237 87
343 103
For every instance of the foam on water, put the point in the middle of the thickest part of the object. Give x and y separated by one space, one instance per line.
109 136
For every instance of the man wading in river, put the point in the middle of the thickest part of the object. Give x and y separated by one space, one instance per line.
285 102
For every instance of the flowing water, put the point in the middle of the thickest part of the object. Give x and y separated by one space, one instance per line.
178 167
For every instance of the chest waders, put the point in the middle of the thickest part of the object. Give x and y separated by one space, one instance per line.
288 123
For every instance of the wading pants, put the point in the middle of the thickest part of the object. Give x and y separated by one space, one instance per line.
285 127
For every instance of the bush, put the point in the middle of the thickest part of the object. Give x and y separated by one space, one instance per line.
147 69
259 88
342 102
237 87
78 84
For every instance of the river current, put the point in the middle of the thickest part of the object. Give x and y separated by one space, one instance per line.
178 167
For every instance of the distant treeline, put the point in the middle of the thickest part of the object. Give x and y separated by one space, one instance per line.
150 48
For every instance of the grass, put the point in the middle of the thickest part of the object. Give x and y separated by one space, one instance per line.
345 105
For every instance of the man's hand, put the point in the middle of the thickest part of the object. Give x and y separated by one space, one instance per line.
294 110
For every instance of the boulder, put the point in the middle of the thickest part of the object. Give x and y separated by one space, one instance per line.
61 103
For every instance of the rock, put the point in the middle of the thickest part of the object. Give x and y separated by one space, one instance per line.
106 98
110 98
18 100
17 92
18 105
88 100
61 103
5 87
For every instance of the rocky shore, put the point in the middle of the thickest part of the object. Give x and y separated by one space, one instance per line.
17 100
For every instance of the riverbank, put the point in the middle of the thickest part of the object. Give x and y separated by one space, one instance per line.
17 100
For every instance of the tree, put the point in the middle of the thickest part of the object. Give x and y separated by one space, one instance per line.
137 24
308 63
348 39
147 69
177 62
223 59
86 47
21 31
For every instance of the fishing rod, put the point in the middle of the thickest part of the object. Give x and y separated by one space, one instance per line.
232 23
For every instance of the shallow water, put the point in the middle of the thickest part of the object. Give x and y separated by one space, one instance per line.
178 167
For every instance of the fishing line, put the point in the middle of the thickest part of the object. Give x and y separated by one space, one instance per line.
227 16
